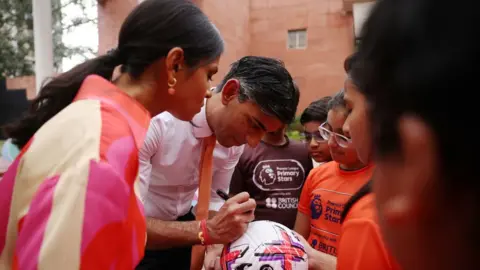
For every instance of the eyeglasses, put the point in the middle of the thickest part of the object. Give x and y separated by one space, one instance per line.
308 136
326 133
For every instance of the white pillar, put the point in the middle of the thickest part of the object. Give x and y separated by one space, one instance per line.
43 40
361 11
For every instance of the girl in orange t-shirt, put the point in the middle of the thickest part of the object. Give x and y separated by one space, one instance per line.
360 245
331 185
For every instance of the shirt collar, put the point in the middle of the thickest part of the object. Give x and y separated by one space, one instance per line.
200 126
97 88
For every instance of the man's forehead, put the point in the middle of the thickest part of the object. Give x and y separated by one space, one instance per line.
271 123
267 121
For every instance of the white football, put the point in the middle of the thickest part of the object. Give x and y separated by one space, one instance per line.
266 245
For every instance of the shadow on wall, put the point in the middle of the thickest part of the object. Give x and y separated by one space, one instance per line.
13 103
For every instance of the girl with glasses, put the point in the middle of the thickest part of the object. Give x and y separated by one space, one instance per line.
330 186
361 244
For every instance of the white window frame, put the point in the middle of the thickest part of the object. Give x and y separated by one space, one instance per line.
297 33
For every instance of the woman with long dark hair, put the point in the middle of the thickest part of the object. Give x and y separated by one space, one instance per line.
68 201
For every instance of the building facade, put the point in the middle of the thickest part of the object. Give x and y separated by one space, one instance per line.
312 37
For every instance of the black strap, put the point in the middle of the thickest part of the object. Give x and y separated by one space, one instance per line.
364 190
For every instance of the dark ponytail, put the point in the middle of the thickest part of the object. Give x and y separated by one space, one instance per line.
151 30
363 191
57 94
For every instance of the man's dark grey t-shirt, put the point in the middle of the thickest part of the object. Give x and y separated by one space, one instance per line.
274 177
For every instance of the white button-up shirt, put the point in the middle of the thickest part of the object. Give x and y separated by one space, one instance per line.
169 166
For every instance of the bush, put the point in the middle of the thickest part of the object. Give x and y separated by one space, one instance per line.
295 129
294 135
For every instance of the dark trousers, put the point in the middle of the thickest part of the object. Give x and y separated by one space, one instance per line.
174 258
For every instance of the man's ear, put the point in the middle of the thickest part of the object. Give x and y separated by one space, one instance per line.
415 173
230 91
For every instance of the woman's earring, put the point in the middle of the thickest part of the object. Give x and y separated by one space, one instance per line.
172 84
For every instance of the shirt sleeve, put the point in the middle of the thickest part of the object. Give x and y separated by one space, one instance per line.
222 177
75 217
304 203
361 247
150 147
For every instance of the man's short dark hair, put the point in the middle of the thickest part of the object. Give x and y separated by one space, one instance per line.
266 82
317 111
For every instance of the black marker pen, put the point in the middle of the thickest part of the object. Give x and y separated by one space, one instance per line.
222 194
225 196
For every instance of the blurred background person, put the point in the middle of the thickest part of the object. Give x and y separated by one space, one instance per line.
408 77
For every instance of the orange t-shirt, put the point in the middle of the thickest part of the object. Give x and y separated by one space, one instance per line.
323 197
361 245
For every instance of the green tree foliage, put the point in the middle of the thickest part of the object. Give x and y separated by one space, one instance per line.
16 35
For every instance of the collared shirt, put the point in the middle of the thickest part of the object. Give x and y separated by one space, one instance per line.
170 160
70 195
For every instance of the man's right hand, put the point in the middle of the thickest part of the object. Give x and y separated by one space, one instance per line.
232 219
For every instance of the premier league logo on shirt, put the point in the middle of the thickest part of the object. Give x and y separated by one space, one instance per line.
279 175
267 175
316 206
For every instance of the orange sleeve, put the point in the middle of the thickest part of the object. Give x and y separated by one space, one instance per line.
304 203
361 247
